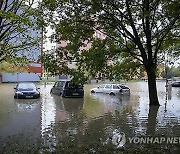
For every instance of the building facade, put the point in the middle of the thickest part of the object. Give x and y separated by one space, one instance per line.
32 73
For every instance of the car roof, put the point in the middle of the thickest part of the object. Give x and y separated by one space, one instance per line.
26 83
63 80
111 84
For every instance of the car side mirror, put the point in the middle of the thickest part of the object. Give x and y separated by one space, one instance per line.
98 87
38 88
14 88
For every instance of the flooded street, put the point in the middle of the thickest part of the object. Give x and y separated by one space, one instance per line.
89 124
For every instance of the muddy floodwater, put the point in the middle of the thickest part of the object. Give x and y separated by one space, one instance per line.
97 123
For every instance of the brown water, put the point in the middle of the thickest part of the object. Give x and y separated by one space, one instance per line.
88 125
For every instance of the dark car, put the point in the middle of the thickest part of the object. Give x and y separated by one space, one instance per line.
176 84
67 89
26 90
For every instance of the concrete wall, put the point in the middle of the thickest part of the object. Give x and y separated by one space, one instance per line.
176 78
21 77
63 77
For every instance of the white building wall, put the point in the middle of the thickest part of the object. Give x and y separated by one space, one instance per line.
21 77
72 65
63 78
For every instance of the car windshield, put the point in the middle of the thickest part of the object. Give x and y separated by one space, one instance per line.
115 87
102 86
73 86
123 87
26 86
59 84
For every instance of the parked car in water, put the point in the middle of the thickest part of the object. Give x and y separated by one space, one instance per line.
67 89
176 84
108 100
26 90
124 89
111 89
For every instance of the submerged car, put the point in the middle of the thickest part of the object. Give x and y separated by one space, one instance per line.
26 90
176 84
67 89
111 89
124 89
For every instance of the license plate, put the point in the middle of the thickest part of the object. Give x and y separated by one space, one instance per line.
75 94
29 96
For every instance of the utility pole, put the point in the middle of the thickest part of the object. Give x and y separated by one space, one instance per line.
42 56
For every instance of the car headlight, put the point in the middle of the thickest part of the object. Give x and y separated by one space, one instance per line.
19 93
36 92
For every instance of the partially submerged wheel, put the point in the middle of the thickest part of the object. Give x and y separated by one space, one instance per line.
112 94
63 94
92 91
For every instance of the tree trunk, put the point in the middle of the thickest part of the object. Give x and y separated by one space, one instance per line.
153 98
151 125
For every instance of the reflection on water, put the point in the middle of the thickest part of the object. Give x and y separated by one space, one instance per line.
27 106
48 109
89 122
151 123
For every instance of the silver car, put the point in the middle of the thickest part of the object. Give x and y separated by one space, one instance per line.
111 89
26 90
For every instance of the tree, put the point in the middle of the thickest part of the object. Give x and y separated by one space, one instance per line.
56 67
171 72
7 67
177 71
141 28
50 63
19 24
167 73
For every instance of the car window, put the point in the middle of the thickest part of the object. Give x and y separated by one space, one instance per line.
123 87
59 84
108 86
115 87
55 85
73 86
26 86
101 86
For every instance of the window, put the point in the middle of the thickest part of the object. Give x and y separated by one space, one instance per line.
115 87
108 86
59 84
101 86
73 86
56 84
124 87
26 86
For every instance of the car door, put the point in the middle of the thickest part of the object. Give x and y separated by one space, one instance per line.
107 88
116 89
100 89
58 87
53 90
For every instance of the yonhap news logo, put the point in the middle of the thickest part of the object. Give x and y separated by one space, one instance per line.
154 140
119 139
